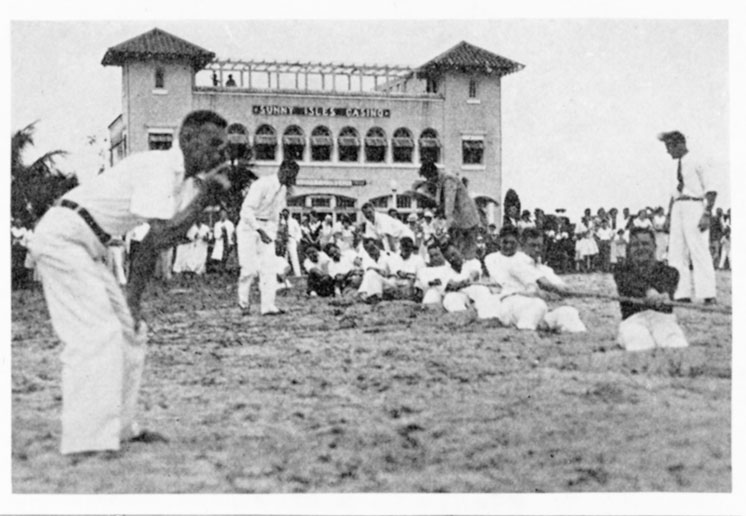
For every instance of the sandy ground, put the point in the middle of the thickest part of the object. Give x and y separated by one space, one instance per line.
388 398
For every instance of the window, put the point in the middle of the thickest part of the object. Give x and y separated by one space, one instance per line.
160 78
160 141
265 143
473 89
429 146
380 202
472 152
431 86
321 144
402 146
349 145
345 202
297 202
293 143
238 141
375 145
403 202
320 202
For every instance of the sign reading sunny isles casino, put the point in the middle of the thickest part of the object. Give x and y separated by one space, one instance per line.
347 112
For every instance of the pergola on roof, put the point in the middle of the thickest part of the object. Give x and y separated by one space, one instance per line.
157 44
308 67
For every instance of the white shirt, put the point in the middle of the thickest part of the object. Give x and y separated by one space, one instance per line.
513 273
604 234
383 225
385 263
264 202
322 263
220 225
143 186
411 265
344 265
695 174
444 273
294 231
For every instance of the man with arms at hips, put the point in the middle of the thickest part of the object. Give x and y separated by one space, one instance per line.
690 212
104 338
651 325
458 208
256 231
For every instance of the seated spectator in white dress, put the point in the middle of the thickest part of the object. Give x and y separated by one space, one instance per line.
651 324
379 272
319 281
561 319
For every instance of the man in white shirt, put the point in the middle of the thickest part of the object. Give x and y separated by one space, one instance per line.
382 227
462 292
294 236
379 272
224 234
406 266
432 280
319 281
344 268
104 339
690 212
256 231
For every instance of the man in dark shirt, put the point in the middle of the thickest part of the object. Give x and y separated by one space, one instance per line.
652 324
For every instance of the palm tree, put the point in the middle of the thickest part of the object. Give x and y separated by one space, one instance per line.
35 187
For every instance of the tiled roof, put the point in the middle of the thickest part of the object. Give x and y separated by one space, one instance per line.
466 57
159 44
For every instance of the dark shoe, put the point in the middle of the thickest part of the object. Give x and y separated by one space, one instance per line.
148 437
77 458
275 312
711 301
684 300
245 310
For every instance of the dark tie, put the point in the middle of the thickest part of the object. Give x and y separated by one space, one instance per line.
680 177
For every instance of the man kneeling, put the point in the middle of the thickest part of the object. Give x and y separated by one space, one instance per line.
652 324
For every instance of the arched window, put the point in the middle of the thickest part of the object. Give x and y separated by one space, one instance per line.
321 144
375 145
160 78
402 145
349 145
238 141
265 143
293 143
429 146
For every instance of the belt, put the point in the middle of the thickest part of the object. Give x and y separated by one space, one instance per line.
102 235
688 198
263 220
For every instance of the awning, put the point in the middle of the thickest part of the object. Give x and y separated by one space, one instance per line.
322 140
160 137
473 144
429 142
265 139
349 141
375 141
238 139
293 139
402 142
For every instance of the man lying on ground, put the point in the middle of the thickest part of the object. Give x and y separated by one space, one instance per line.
651 325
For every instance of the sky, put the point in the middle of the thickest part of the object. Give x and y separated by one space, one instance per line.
579 122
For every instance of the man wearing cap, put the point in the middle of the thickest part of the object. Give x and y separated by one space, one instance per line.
461 215
690 212
256 232
103 337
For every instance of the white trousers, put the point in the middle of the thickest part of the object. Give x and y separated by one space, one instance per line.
115 259
686 242
565 319
373 284
257 259
102 358
485 303
523 312
650 329
293 256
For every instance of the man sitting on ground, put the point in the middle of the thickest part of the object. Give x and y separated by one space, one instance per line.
319 282
379 272
432 280
564 318
407 264
345 269
514 272
461 291
653 324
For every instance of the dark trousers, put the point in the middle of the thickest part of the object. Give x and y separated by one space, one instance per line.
322 284
465 240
